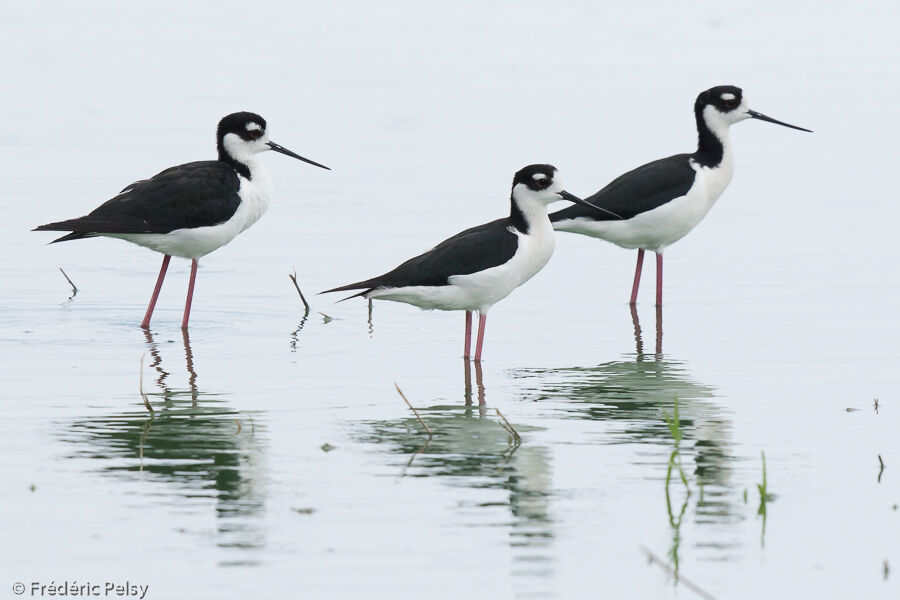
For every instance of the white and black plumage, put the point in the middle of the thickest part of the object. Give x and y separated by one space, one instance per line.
657 204
476 268
191 209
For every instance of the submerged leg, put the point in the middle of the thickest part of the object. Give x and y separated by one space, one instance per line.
466 353
482 319
159 281
659 278
637 277
190 295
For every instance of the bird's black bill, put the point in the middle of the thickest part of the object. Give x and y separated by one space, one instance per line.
287 152
573 198
763 117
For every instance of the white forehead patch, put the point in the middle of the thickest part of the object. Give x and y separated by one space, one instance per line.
254 127
539 177
727 96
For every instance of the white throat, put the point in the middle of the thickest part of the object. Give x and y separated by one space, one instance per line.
240 150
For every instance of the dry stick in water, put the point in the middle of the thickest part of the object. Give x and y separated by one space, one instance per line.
141 386
74 288
678 577
415 412
296 285
509 427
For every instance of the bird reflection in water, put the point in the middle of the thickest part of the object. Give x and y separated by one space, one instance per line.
632 397
194 450
471 449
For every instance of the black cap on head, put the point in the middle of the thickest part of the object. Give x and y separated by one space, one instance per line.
725 98
535 177
249 126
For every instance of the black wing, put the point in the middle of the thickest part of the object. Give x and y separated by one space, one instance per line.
470 251
645 188
196 194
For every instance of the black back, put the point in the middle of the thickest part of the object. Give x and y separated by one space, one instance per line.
197 194
470 251
637 191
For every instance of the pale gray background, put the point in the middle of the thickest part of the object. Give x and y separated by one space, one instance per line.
780 308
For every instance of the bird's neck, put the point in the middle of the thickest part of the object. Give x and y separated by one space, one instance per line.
246 166
714 140
525 215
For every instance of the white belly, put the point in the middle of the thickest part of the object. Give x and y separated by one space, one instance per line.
200 241
663 226
479 291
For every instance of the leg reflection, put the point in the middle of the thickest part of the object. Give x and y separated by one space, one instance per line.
638 342
659 329
638 338
479 383
189 359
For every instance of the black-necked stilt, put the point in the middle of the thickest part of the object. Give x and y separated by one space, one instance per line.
654 206
482 265
192 209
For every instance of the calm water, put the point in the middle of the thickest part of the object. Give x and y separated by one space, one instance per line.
280 460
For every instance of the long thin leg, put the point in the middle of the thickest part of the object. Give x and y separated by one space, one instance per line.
637 277
482 319
159 281
190 295
468 349
659 279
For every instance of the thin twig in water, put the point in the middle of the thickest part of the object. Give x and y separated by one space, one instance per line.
509 427
141 386
141 442
413 457
881 470
652 558
415 412
296 285
74 288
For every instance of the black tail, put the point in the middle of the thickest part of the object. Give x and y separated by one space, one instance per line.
70 225
75 235
366 287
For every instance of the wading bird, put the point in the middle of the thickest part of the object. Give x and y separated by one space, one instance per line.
654 206
473 270
191 209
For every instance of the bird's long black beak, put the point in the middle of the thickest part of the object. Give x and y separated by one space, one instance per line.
763 117
573 198
287 152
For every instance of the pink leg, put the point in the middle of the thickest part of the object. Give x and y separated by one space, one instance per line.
466 354
159 281
659 279
637 277
190 296
482 319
